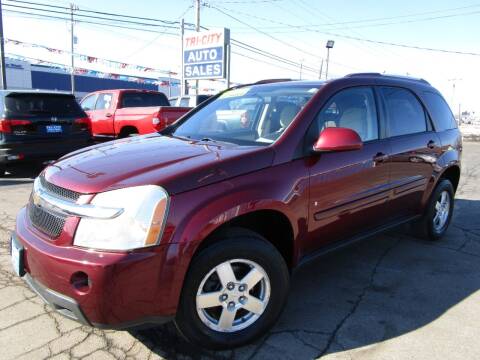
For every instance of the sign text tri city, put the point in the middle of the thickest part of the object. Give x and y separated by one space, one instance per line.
204 54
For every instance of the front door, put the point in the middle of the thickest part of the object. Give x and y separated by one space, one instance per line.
102 116
349 190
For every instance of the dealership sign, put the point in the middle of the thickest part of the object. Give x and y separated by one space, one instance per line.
205 54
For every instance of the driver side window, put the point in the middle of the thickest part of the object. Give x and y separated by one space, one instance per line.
352 108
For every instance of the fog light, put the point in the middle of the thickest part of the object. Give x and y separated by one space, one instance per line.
80 281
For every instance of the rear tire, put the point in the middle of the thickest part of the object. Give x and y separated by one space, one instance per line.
125 133
434 224
239 308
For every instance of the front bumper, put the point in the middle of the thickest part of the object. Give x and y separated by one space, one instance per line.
61 303
124 289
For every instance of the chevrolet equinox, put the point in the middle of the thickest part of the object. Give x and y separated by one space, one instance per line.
203 223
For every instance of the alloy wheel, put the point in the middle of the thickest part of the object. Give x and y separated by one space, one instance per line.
442 211
233 295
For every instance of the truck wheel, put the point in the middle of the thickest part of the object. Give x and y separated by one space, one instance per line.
435 222
127 132
233 293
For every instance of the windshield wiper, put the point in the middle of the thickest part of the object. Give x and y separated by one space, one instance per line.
188 138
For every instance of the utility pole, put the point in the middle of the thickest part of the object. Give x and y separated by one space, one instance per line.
72 49
329 45
183 83
301 68
229 59
197 29
321 70
3 74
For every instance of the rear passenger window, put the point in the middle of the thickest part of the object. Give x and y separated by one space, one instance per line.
440 111
143 99
405 114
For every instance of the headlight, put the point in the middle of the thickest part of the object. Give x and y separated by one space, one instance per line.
139 225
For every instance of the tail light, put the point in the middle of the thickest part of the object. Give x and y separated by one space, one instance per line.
159 123
6 125
84 123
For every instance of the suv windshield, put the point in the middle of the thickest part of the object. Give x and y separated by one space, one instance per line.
254 115
17 104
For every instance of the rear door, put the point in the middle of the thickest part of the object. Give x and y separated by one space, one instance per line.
43 116
103 114
349 190
415 148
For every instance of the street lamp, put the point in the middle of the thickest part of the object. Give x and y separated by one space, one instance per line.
329 45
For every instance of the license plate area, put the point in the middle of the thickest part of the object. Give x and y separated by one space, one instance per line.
53 129
17 257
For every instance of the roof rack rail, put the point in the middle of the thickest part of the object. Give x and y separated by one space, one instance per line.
388 75
364 74
269 81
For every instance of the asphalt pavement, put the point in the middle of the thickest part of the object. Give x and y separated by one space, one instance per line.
390 297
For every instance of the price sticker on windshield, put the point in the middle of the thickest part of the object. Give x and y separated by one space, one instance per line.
235 92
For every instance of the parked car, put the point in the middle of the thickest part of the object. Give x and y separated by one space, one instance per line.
203 223
40 126
122 113
188 100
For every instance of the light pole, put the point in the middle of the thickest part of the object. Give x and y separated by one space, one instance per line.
329 45
3 74
454 83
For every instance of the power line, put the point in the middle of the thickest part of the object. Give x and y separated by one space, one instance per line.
89 16
87 22
346 36
304 28
245 46
384 18
99 12
263 32
248 1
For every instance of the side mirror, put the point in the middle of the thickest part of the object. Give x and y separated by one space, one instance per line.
338 139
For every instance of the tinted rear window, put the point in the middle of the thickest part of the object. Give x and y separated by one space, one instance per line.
441 113
144 99
405 114
41 105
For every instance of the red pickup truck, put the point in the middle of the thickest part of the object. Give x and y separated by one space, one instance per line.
121 113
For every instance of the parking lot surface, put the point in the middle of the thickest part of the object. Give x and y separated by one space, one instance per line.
390 297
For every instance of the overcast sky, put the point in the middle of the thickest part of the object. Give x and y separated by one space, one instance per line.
284 27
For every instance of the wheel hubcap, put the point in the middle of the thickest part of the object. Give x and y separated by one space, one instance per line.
442 210
233 295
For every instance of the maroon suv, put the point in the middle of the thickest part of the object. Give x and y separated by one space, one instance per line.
203 223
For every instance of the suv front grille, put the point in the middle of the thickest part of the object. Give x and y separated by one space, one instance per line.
46 222
59 191
49 223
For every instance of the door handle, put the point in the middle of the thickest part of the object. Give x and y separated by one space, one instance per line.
108 115
431 144
380 157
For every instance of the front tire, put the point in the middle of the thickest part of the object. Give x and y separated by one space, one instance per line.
438 215
233 293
